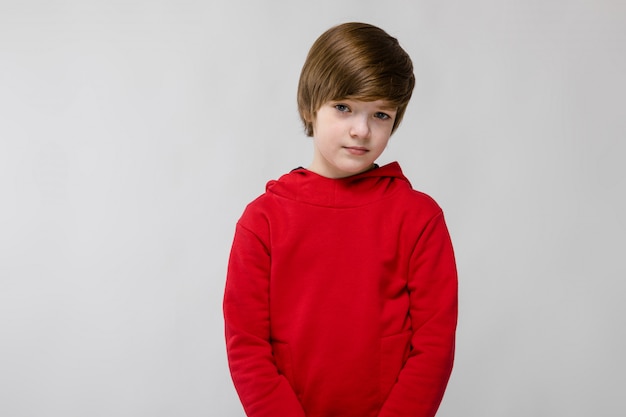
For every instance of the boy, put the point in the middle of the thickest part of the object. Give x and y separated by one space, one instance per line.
341 294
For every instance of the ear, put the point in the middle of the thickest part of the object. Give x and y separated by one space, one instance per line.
307 116
309 119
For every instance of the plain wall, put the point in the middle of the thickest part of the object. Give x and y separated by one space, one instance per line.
133 133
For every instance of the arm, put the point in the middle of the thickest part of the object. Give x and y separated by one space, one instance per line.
432 285
262 390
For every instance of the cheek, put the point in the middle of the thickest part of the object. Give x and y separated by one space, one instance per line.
383 133
327 129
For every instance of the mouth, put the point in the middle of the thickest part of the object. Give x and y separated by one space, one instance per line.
356 150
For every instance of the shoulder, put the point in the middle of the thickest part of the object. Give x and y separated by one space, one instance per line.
260 212
417 202
411 197
257 207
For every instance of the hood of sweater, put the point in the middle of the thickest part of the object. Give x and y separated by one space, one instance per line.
308 187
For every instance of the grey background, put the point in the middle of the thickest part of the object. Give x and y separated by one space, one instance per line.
133 133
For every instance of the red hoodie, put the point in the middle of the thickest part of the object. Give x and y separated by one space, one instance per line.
341 298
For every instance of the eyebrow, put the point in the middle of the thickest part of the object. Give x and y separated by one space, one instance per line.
385 107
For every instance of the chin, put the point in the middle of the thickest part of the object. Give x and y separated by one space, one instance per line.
357 170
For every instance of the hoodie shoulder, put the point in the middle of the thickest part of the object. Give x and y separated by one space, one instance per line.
302 189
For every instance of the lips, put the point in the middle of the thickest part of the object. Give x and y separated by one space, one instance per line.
356 150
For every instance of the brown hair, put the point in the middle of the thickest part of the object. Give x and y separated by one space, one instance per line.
354 61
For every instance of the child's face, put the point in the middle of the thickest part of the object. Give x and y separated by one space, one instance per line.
349 135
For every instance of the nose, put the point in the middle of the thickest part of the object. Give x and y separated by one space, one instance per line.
360 127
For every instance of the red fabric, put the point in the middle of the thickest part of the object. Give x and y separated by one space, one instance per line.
341 299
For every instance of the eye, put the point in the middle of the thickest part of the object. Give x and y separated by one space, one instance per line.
382 116
342 108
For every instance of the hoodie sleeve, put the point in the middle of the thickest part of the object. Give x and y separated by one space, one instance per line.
262 390
432 285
